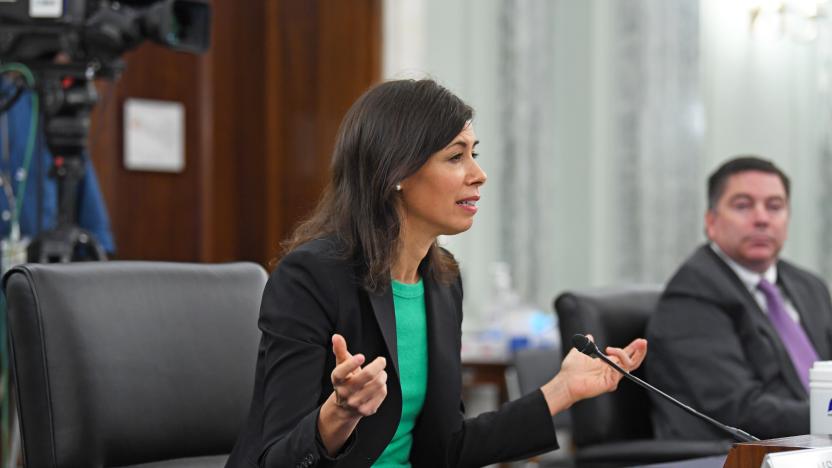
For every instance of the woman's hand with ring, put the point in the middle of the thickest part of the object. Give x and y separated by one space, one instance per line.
357 390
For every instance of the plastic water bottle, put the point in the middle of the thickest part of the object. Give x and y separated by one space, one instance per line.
820 398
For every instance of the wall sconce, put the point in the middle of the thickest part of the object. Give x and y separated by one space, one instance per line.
798 19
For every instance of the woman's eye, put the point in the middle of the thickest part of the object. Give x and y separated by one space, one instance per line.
456 157
475 155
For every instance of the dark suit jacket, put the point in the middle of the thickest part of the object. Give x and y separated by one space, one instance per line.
313 294
712 347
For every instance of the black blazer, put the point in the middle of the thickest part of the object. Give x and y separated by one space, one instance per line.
311 295
712 347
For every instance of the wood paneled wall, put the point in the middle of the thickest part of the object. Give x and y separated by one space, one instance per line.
262 110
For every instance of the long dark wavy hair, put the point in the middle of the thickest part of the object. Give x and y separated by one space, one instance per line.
386 136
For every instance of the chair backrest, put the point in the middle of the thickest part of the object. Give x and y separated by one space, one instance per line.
614 317
120 363
534 367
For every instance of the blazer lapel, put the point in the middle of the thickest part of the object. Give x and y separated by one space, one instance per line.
443 339
747 304
762 323
439 307
382 303
764 326
810 321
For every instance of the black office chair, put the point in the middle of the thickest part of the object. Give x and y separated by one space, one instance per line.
615 429
531 368
127 363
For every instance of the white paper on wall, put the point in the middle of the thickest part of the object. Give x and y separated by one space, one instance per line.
154 135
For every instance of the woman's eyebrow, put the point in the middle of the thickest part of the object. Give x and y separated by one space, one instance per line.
461 143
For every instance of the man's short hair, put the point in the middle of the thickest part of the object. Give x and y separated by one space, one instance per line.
718 180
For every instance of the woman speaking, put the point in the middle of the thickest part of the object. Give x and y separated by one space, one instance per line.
359 363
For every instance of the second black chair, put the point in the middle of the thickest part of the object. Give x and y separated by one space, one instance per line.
614 429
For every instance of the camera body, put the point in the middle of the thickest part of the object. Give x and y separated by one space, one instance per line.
65 44
98 32
44 11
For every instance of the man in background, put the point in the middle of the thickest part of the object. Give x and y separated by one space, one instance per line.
738 328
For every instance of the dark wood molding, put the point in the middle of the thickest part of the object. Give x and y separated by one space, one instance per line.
262 110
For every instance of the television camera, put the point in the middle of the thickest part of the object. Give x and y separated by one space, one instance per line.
66 44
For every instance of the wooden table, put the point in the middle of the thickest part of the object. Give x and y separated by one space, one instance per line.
486 372
477 372
751 454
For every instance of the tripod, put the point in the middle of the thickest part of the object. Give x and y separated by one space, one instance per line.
68 95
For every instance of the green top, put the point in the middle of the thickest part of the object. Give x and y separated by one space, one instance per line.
412 345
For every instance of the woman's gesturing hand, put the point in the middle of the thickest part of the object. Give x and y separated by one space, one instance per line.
583 377
357 390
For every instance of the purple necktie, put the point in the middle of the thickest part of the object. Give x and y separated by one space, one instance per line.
791 333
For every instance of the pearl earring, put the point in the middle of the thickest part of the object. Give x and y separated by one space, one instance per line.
398 187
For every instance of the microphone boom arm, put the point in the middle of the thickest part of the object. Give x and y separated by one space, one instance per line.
591 349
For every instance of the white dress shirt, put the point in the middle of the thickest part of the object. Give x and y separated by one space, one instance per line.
751 279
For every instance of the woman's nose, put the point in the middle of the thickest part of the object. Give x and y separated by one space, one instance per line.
478 176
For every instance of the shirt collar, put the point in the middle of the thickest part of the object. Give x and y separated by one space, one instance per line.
749 278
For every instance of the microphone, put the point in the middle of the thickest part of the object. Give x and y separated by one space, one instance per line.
583 344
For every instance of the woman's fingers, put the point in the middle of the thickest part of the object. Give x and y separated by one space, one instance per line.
344 370
620 357
339 349
360 390
631 356
584 377
637 350
369 398
367 373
